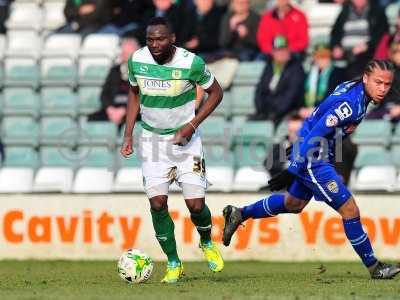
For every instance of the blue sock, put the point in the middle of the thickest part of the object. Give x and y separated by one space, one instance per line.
360 241
267 207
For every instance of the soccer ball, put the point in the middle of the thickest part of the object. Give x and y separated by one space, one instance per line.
135 266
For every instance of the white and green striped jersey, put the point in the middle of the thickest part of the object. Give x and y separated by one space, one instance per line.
167 92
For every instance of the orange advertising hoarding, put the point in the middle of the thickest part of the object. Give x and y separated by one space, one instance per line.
101 226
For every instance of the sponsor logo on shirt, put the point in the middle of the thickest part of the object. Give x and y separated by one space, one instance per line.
144 69
331 121
344 111
155 84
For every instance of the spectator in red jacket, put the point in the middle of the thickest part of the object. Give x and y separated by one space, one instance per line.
286 20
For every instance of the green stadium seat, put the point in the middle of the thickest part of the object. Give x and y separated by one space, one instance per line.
93 71
373 156
216 130
395 152
89 100
25 157
97 157
243 100
396 135
281 131
20 102
21 72
58 72
252 132
224 109
252 155
373 132
19 131
99 133
219 167
59 101
137 133
60 131
57 157
249 73
218 155
131 162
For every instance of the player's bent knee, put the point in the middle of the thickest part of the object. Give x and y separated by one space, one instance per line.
159 203
195 205
294 205
349 209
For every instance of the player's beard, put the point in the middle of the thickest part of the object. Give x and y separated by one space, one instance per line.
166 56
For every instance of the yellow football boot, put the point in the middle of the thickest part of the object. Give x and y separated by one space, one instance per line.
174 272
213 256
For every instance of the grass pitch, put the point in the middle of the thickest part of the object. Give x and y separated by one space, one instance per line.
239 280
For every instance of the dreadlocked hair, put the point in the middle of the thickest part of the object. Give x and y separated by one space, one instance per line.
384 65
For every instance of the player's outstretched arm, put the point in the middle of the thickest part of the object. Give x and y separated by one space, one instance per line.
132 112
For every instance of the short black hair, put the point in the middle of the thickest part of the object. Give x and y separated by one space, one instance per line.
160 21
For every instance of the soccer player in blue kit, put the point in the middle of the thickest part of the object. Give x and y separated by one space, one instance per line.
311 171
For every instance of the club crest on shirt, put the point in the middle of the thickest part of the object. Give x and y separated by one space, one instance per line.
333 186
331 121
176 74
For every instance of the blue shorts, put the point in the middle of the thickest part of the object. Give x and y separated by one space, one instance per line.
322 182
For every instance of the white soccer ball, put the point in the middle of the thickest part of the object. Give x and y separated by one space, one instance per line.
135 266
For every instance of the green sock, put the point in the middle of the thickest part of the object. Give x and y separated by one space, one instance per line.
164 228
202 221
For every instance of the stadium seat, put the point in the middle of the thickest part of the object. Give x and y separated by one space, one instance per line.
249 73
16 175
89 100
59 101
96 172
254 132
53 15
109 46
137 133
62 45
21 44
396 135
281 131
219 167
21 72
20 102
392 10
224 109
373 132
93 71
99 133
250 173
128 177
224 71
19 131
58 71
243 100
372 156
395 155
376 178
215 130
58 131
374 170
24 16
56 171
3 44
